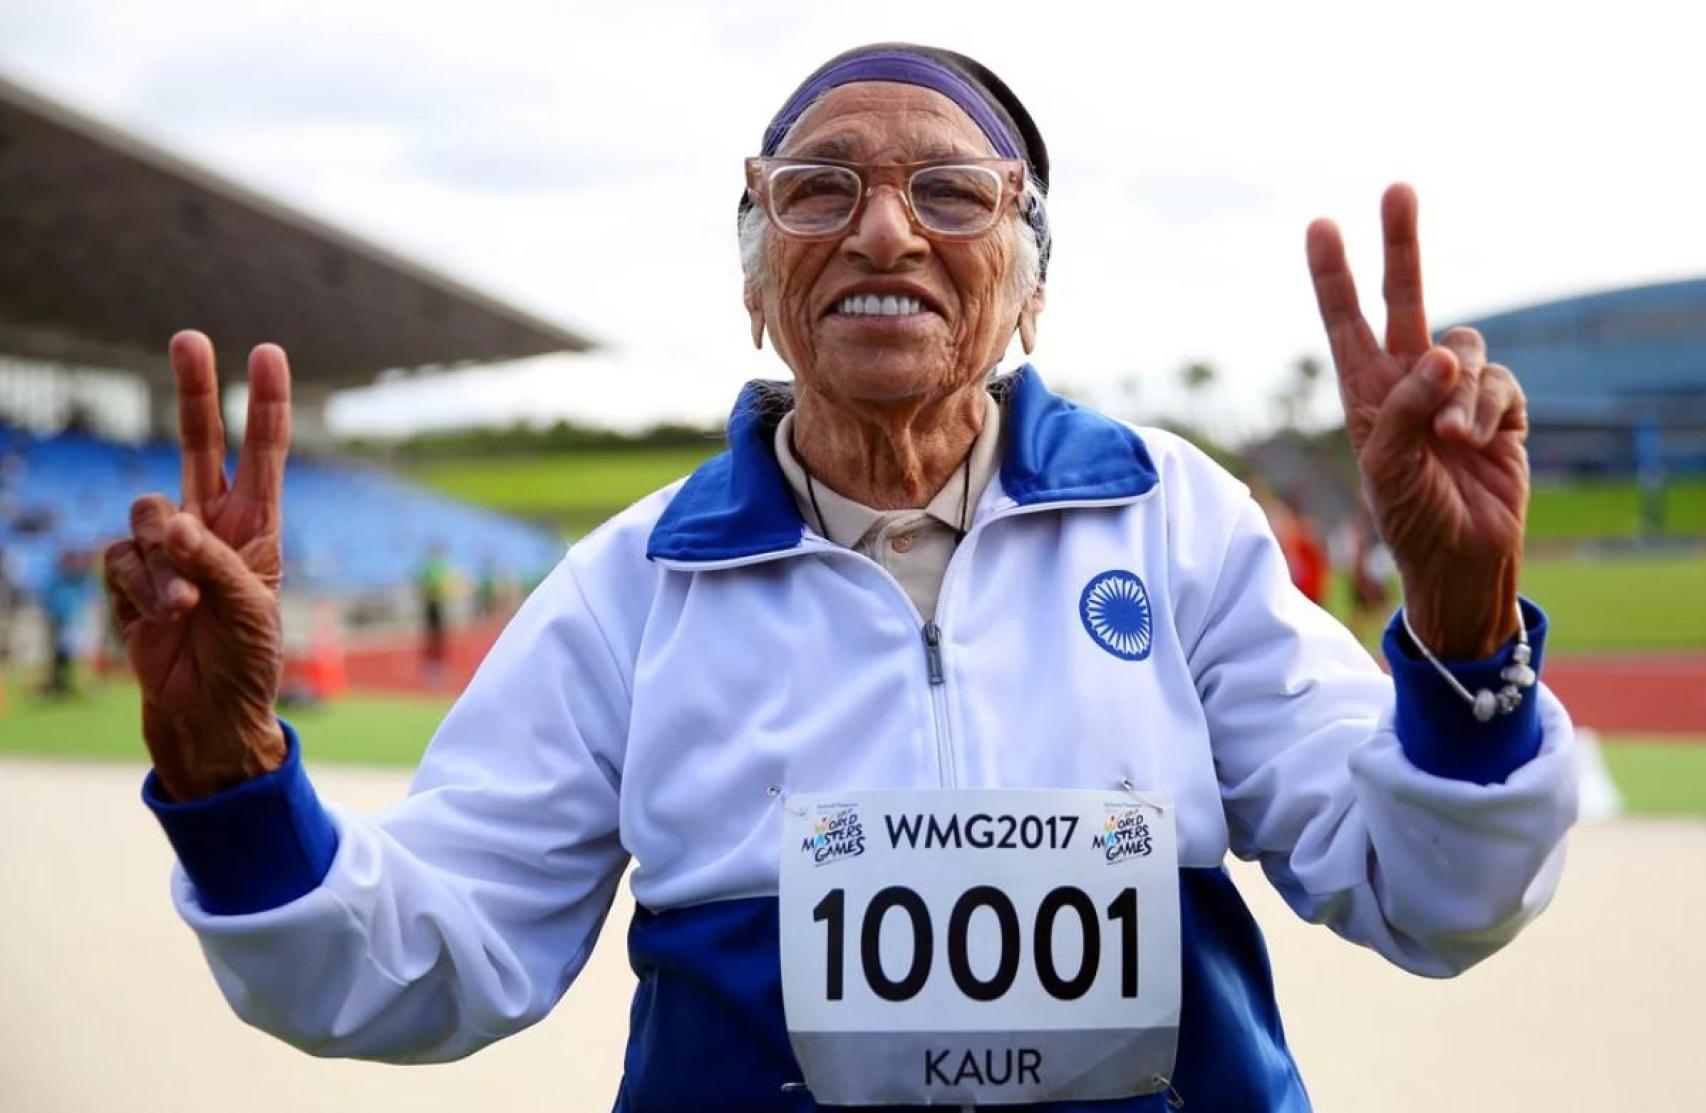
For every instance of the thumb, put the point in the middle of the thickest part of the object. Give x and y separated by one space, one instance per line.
195 552
1406 415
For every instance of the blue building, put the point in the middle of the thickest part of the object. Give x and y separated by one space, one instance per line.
1616 381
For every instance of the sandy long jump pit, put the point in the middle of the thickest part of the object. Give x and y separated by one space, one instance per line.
105 1004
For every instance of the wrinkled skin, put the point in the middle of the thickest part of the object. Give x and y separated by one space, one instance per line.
195 590
1438 433
884 415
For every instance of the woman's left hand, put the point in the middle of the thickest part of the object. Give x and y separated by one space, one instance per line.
1438 434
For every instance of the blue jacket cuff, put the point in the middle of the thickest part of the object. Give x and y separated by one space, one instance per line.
257 846
1437 728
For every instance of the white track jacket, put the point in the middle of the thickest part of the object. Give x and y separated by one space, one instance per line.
703 655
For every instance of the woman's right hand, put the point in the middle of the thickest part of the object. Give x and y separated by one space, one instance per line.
195 588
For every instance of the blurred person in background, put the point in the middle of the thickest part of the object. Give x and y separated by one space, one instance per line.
11 596
906 572
1306 557
1369 569
488 588
1304 547
65 602
432 586
14 470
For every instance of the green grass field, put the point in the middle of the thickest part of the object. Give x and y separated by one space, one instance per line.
1611 509
571 492
102 722
1613 604
1624 603
1658 777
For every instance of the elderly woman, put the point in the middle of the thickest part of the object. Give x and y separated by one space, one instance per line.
927 713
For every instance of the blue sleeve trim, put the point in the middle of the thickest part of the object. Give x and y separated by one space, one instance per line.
257 846
1437 729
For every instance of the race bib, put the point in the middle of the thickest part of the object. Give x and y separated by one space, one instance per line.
980 946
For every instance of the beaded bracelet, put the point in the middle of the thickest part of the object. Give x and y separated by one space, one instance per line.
1518 675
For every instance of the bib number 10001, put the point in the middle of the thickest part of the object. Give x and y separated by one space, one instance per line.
1067 901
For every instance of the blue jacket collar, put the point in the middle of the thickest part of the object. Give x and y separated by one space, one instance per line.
737 504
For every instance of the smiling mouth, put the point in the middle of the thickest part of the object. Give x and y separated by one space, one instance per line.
879 305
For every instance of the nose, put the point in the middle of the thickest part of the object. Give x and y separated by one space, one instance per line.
884 238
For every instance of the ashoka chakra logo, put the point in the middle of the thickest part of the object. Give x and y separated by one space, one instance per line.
1115 610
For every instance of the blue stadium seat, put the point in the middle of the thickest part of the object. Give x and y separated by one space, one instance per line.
349 528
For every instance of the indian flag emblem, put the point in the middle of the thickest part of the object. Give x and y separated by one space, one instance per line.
1116 614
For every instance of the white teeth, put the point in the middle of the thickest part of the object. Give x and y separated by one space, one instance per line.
872 305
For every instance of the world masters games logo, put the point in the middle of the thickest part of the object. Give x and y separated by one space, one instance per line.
837 833
1116 614
1124 834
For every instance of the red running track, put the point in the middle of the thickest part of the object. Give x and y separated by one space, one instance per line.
1632 693
397 666
1613 693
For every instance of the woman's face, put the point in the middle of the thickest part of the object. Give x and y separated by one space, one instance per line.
969 291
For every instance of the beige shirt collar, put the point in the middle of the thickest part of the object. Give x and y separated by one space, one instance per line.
846 522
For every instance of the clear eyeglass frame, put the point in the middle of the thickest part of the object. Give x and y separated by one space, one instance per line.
762 170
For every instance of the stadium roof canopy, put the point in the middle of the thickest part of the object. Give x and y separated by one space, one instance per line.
1620 357
109 245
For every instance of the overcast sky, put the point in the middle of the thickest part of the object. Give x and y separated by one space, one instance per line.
583 161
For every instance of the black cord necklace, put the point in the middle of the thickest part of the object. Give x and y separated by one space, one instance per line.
965 498
817 511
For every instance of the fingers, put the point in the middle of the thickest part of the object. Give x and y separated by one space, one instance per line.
1500 406
1406 319
195 552
133 584
1407 415
1352 341
1466 343
140 569
1455 420
127 583
201 429
170 563
1487 399
266 437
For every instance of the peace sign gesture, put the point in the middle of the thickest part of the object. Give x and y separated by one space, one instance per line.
195 589
1438 433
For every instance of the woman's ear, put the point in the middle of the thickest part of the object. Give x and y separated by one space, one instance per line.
1028 320
755 310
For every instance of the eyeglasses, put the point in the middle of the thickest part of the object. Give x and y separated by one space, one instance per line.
819 199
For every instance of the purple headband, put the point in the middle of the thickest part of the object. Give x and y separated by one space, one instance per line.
908 69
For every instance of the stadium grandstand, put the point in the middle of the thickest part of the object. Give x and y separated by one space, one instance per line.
107 247
350 530
1616 388
1616 380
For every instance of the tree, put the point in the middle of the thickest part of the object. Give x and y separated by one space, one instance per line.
1294 397
1308 370
1197 377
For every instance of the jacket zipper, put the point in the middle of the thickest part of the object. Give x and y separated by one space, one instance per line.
930 630
947 773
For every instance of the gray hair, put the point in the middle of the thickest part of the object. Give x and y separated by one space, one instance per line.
754 231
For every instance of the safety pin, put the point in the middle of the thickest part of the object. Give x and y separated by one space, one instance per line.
1160 809
1175 1100
776 792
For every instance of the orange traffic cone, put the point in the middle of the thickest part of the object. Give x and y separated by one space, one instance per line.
326 653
